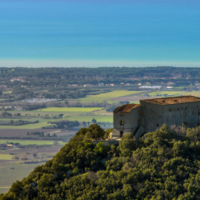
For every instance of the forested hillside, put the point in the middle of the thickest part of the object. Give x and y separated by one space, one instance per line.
164 164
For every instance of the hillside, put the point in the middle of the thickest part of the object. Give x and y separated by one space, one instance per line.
164 164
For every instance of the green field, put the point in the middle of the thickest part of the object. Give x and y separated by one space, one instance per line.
177 93
5 157
9 176
28 142
7 92
28 126
86 118
107 96
196 93
42 123
67 110
72 117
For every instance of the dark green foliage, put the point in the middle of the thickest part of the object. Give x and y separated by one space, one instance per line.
161 165
94 129
107 133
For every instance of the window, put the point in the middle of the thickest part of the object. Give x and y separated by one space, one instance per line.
178 109
170 110
189 107
185 108
122 122
182 108
157 125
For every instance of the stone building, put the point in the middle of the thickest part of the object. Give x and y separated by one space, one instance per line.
151 114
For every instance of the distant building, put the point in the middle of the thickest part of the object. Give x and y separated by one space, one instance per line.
150 87
17 79
101 84
87 85
151 114
19 108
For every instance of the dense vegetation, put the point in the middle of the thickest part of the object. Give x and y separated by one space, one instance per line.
164 164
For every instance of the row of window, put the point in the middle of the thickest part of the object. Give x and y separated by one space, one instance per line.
182 108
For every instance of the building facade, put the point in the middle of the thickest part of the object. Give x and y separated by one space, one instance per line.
151 114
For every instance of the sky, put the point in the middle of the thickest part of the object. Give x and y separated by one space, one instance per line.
87 33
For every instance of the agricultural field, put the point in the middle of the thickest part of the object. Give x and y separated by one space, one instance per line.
41 124
87 117
22 133
5 157
67 110
107 96
176 93
7 92
17 163
28 142
9 176
196 93
99 118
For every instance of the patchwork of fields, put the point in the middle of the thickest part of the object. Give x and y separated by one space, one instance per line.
87 114
67 110
107 96
176 93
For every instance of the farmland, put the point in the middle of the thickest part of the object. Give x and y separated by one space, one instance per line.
67 110
107 96
99 118
8 176
29 142
16 163
5 157
176 93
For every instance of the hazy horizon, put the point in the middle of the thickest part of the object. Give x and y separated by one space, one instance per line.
93 34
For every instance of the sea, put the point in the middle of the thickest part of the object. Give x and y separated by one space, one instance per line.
92 33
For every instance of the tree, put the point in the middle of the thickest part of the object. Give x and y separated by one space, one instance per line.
94 121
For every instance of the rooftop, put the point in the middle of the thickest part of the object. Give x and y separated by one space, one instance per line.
173 100
125 108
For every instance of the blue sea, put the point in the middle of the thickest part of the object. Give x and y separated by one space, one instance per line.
99 33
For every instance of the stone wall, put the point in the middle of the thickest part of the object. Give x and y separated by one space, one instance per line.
130 122
152 116
156 115
178 114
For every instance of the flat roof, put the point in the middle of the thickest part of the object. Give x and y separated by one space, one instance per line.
125 108
173 100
